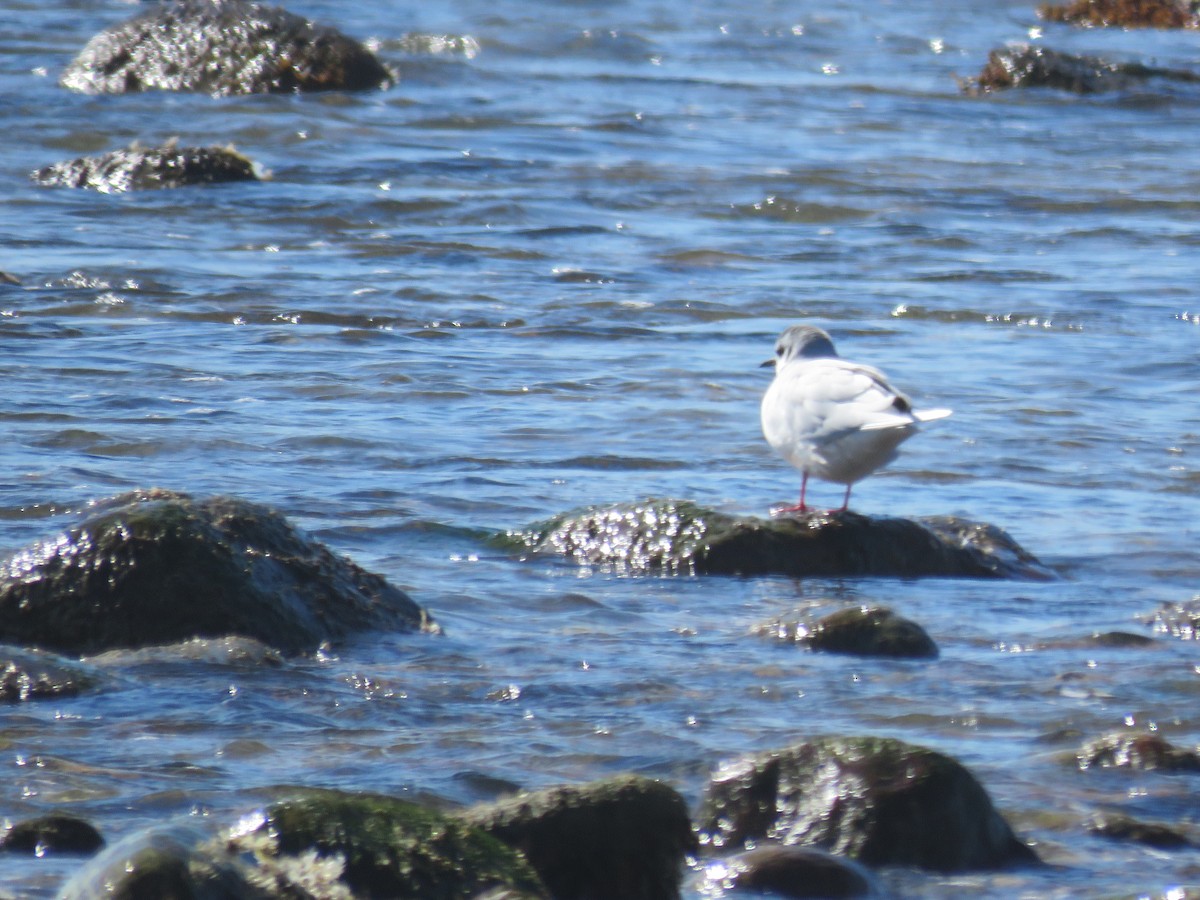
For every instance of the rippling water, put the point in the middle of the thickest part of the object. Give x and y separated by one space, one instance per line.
540 272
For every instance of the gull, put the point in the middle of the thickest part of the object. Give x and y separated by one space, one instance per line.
831 418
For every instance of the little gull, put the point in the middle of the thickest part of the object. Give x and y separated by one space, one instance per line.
831 418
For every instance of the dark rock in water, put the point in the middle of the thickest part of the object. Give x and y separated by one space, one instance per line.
1124 828
1120 640
160 567
1137 751
625 837
222 47
878 801
1032 66
32 675
798 872
167 862
677 536
1124 13
377 846
1182 620
141 168
859 630
57 833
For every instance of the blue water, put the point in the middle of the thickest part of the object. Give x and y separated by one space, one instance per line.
541 272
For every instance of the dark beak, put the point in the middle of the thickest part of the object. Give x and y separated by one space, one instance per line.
769 364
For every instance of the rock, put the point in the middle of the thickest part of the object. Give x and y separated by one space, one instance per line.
1182 620
30 675
793 872
141 168
159 567
859 630
1120 640
676 536
222 47
1035 66
55 833
624 837
1137 751
1123 13
372 846
878 801
1124 828
163 863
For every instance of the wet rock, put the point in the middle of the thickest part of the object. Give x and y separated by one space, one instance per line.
878 801
142 168
375 846
222 47
624 837
160 567
1121 640
1137 751
167 862
1181 620
793 872
859 630
1124 13
1035 66
1123 828
31 675
56 833
676 536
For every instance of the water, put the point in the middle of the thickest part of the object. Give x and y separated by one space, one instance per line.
540 273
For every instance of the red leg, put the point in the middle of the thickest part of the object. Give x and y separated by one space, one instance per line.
800 507
846 502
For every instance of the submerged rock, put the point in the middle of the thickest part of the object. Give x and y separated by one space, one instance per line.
222 47
141 168
675 536
859 630
1124 13
1031 66
1181 620
376 846
32 675
1124 828
55 833
624 837
1137 751
160 567
878 801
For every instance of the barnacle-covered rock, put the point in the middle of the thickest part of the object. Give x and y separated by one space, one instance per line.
222 47
140 168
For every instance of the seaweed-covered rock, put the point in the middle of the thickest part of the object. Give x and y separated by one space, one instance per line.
55 833
222 47
678 536
1181 620
160 567
793 872
624 837
859 630
373 846
1032 66
140 168
878 801
32 675
1137 751
1124 13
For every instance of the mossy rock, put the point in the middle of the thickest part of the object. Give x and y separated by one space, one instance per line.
159 567
623 837
876 800
222 47
382 847
678 536
54 833
145 168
